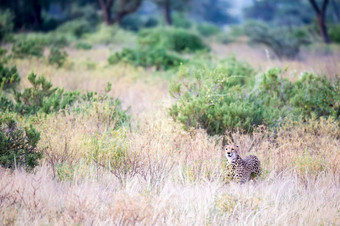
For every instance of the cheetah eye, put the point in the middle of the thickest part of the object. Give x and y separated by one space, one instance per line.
232 149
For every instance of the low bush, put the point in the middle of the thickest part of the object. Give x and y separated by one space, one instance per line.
314 95
230 97
111 34
175 39
77 28
54 39
156 47
18 146
41 97
208 30
28 47
57 57
284 41
83 45
57 40
146 57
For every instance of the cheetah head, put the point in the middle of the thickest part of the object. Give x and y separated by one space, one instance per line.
231 152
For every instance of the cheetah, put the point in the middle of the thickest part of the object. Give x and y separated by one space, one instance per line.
238 168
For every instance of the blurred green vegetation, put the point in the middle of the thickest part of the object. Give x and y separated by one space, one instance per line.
284 42
208 30
160 47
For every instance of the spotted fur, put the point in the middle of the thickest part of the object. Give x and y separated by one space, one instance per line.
240 169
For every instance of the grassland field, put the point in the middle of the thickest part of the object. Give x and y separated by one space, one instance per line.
180 179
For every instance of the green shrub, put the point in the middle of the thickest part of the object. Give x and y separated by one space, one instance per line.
146 57
83 45
9 76
57 40
334 33
111 34
156 47
57 57
208 30
215 98
18 146
41 97
6 24
314 95
284 41
230 97
5 103
29 47
45 39
178 40
77 27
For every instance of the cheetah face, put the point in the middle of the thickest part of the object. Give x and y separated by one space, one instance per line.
231 152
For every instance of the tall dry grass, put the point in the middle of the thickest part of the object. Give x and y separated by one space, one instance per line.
179 179
169 176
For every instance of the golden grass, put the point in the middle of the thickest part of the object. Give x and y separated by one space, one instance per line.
174 177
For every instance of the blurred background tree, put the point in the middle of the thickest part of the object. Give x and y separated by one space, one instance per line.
320 15
119 8
167 6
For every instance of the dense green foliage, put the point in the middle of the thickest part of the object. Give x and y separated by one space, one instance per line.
285 42
208 30
9 76
18 146
156 47
145 57
230 97
83 45
178 40
57 57
28 47
76 28
42 97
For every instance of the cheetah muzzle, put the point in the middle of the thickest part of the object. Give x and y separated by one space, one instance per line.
240 169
